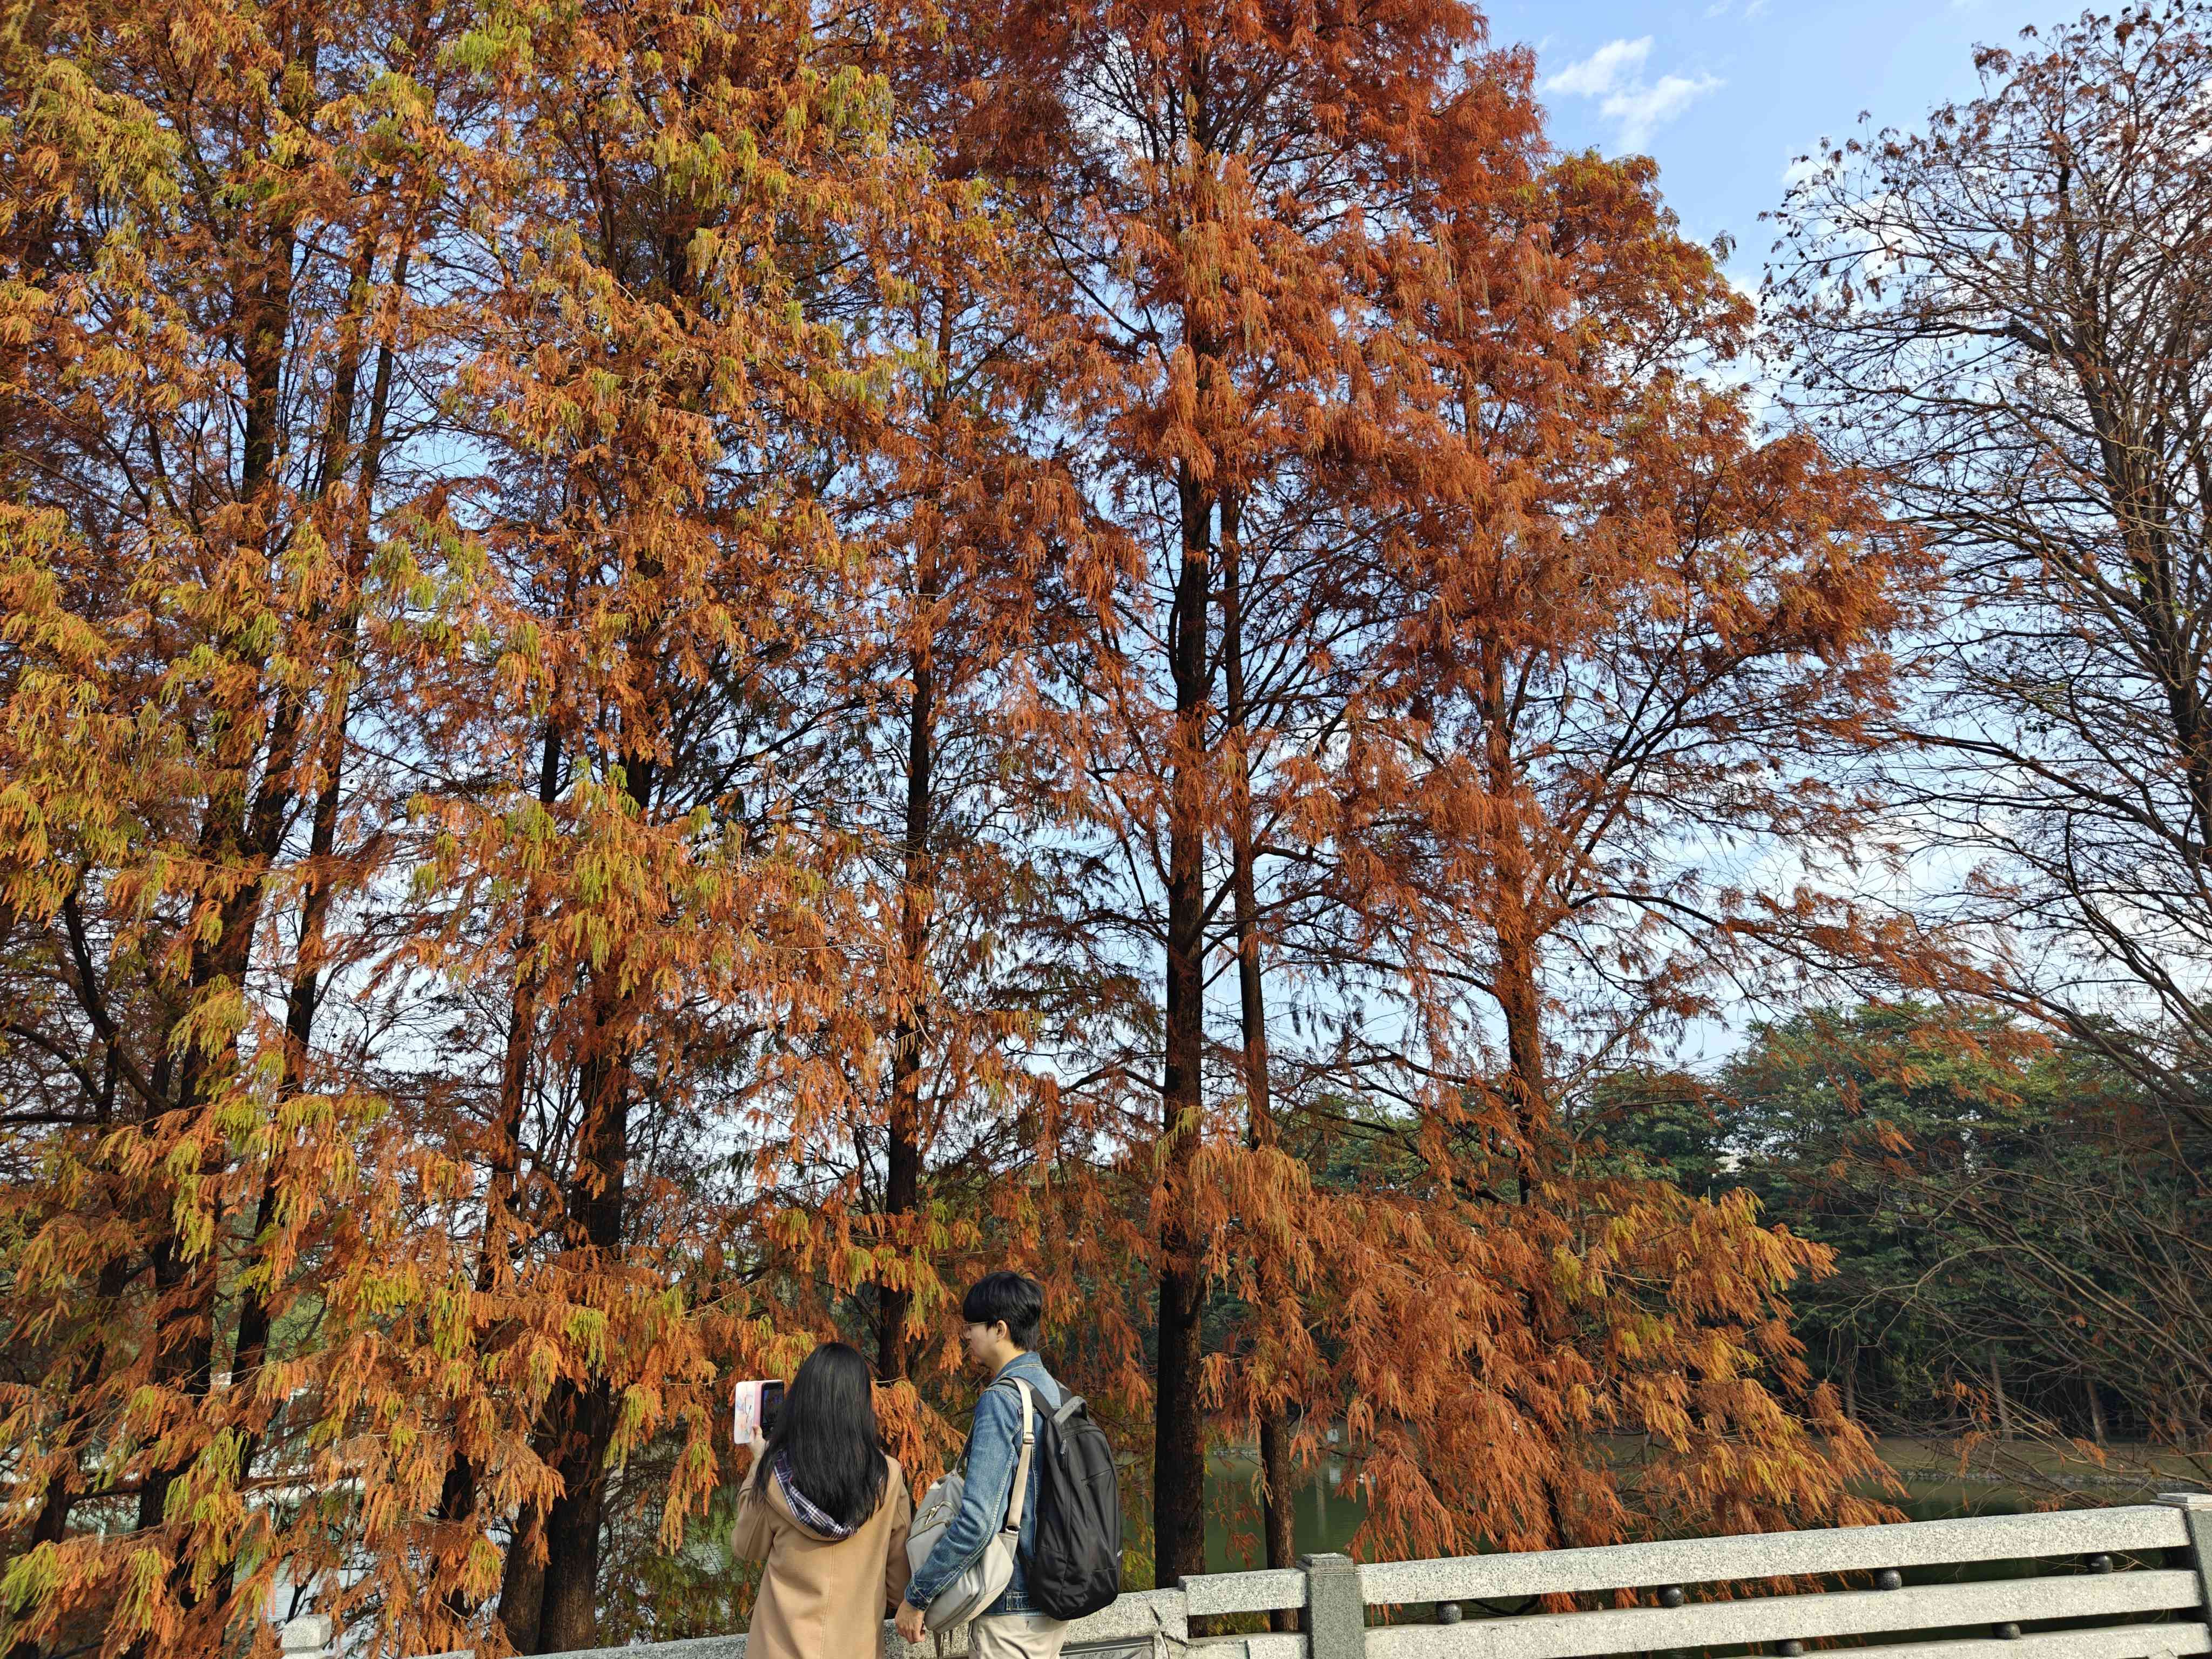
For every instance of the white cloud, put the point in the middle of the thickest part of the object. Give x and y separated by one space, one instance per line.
1615 74
1612 66
1643 108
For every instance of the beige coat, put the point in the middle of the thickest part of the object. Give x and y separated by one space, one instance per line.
822 1598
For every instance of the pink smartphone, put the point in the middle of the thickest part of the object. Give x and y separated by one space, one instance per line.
754 1405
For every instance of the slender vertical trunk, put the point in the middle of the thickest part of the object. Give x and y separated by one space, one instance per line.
596 1213
1521 1002
1513 929
2097 1429
51 1525
494 1246
255 1311
522 1583
185 1281
1179 1440
1852 1382
1997 1394
569 1615
1260 1129
522 1579
917 903
595 1200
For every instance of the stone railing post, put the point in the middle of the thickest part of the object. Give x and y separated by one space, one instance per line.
2196 1509
311 1637
1336 1610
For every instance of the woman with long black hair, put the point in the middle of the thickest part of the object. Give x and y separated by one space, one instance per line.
827 1509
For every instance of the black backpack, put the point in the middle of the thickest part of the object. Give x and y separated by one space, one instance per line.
1075 1568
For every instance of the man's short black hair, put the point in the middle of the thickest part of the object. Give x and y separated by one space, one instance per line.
1007 1296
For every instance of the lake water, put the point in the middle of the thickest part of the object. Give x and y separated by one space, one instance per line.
1326 1519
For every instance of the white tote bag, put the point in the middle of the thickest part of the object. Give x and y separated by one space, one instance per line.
987 1578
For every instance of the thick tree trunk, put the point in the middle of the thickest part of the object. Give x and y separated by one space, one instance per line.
1179 1436
522 1582
1277 1513
570 1616
595 1208
1179 1440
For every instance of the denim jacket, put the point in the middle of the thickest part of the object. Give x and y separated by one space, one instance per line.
994 1448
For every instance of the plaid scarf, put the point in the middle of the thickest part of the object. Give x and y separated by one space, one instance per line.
808 1516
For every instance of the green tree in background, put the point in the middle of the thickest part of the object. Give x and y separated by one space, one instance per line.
2015 1227
1845 1123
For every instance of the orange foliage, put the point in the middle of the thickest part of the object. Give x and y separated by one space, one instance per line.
657 665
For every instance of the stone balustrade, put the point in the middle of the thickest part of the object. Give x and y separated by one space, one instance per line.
2114 1583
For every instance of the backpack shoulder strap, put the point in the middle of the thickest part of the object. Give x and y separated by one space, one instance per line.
1022 1468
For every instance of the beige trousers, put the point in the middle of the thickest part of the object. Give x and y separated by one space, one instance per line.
1017 1636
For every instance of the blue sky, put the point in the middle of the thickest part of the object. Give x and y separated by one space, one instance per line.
1724 93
